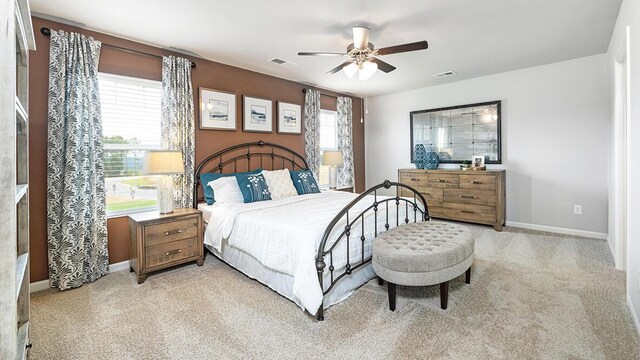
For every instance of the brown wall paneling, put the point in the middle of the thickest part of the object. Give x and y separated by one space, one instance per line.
208 74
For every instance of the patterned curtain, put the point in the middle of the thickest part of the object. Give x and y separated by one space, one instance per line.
345 176
312 130
178 123
76 208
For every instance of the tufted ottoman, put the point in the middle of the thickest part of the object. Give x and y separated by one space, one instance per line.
421 254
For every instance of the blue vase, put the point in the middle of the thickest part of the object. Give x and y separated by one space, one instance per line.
419 156
431 161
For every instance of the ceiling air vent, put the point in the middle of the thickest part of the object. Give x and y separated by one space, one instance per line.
283 62
445 74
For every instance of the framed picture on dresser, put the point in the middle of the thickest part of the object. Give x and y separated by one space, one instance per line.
217 110
257 115
289 118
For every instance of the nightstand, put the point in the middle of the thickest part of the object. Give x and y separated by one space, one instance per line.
162 241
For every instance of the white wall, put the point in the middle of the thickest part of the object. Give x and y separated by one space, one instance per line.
630 16
555 125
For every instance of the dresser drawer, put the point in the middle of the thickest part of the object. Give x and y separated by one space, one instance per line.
414 179
466 196
439 180
471 213
478 182
171 231
430 194
162 254
436 209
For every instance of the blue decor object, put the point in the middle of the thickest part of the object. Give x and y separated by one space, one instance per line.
431 161
253 187
304 182
206 178
419 156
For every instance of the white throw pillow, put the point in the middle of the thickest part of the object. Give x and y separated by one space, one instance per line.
226 190
279 183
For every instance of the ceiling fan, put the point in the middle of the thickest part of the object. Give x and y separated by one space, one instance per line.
362 55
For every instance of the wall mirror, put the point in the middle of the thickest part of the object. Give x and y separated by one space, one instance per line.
459 133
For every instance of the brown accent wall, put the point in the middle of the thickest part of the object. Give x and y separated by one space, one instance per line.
208 74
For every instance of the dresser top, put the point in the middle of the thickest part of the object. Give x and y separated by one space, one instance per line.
155 215
453 171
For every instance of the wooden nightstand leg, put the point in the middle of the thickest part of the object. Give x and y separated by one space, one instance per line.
142 278
200 261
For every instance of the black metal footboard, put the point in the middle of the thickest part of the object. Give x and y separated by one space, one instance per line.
325 250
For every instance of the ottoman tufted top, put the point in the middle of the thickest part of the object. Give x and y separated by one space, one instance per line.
423 246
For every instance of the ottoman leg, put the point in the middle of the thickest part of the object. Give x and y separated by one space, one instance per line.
467 276
392 296
380 281
444 295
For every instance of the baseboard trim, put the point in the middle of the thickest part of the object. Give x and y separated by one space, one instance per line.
44 284
559 230
633 314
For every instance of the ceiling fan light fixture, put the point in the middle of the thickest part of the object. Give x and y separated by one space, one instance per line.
367 70
350 70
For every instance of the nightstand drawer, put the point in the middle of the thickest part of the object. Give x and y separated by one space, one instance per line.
159 255
170 231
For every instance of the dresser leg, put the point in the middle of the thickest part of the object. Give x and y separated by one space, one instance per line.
142 278
200 261
497 227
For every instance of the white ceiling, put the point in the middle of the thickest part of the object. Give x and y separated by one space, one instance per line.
472 37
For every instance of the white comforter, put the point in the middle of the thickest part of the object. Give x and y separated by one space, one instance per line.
284 234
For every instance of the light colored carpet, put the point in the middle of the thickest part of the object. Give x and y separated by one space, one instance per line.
532 295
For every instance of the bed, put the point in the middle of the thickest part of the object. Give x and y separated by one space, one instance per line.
313 249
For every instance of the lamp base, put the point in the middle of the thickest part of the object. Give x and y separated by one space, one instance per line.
165 195
332 177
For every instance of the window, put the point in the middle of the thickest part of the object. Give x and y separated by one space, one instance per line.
130 125
328 140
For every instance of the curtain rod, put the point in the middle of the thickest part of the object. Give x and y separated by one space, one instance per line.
47 32
335 97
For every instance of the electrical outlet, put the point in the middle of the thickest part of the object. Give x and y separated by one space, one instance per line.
577 209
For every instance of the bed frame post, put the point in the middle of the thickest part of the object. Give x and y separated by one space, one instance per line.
320 265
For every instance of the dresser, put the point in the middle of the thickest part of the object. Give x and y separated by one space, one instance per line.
161 241
470 196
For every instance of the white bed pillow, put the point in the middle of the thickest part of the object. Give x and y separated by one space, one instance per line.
226 190
279 183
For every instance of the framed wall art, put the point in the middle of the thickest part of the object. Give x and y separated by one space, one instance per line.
289 118
459 133
217 110
257 115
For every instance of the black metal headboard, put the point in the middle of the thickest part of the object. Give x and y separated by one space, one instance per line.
239 158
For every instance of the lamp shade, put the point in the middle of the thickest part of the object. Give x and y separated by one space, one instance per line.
368 69
163 162
350 70
332 158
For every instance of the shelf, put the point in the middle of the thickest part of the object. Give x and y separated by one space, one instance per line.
23 338
21 269
21 191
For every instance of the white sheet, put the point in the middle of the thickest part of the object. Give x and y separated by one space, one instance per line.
206 211
284 235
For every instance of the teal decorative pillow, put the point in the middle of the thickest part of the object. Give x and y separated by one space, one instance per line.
206 178
253 187
304 182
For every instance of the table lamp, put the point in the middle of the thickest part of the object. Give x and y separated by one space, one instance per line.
333 159
164 163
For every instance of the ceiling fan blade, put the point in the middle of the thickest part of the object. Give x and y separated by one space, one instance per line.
339 67
383 66
360 37
420 45
311 53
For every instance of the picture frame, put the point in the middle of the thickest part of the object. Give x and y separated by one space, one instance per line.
289 118
217 110
257 115
477 161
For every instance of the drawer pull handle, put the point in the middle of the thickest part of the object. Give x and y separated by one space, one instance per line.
442 181
167 233
173 252
468 197
414 179
476 182
467 212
